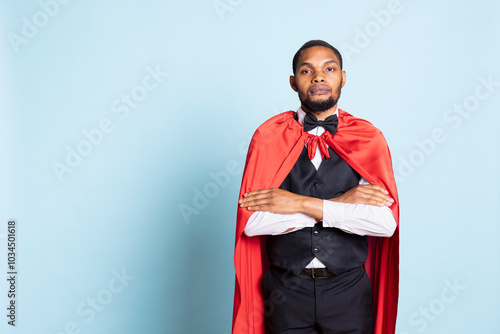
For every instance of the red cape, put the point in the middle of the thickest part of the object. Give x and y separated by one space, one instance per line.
274 149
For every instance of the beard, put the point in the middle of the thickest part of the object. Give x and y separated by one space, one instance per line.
321 105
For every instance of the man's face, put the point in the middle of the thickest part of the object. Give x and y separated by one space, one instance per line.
318 79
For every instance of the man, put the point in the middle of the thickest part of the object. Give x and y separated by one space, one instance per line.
318 197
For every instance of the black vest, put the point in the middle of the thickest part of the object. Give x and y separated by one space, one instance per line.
338 250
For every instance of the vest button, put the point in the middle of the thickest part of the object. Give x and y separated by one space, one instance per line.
316 232
315 251
316 184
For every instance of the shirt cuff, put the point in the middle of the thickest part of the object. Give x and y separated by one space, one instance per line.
333 214
269 223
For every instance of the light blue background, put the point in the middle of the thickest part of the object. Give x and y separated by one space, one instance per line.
120 208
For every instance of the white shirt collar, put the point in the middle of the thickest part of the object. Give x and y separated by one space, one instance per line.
301 114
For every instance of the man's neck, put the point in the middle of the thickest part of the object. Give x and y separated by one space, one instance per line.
322 115
301 114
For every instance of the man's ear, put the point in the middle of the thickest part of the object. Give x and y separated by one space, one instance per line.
343 78
292 83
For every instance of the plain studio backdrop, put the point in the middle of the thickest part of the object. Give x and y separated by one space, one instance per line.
123 133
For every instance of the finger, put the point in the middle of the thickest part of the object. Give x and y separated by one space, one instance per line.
255 202
376 193
257 192
380 200
370 197
251 197
254 197
375 187
372 188
386 200
259 208
382 189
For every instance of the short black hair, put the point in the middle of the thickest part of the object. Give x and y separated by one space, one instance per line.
310 44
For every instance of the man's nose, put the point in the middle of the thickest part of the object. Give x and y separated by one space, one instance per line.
319 78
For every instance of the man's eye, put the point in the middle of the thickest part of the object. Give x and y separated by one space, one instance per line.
330 69
306 71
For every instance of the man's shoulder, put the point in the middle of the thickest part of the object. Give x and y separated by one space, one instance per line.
278 123
284 117
276 129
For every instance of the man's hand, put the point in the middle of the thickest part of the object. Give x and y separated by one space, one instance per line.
272 200
282 201
366 194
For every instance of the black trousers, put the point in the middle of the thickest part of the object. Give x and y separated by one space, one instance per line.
300 304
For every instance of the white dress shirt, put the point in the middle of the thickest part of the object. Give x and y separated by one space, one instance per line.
359 219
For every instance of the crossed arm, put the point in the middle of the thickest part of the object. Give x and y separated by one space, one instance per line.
373 210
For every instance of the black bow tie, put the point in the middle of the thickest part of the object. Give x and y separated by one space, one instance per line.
330 123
